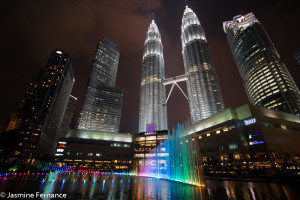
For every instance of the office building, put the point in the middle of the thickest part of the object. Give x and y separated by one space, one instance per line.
266 79
102 103
153 111
297 56
66 122
204 92
41 111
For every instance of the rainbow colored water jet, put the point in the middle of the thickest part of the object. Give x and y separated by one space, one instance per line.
174 159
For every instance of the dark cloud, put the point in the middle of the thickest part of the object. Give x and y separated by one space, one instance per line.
32 29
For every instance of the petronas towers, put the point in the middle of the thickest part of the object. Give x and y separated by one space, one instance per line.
204 93
153 111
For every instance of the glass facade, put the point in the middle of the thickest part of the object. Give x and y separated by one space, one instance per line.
153 110
66 123
266 79
102 103
297 56
203 88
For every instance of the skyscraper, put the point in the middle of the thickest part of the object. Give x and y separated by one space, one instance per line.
203 88
102 103
297 56
153 111
266 79
67 119
41 110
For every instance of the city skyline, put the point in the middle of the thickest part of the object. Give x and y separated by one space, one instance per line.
30 33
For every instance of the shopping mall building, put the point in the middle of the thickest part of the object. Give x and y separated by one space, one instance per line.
244 140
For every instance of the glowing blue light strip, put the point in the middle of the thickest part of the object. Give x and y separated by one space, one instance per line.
259 142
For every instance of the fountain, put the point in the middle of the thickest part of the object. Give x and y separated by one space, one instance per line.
174 159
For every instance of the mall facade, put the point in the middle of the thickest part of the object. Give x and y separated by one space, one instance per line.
248 140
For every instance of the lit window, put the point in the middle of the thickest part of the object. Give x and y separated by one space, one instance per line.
90 154
283 127
62 142
236 156
233 146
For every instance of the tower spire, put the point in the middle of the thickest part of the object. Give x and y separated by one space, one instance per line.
153 16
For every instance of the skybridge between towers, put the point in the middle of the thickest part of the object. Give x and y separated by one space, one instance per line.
174 80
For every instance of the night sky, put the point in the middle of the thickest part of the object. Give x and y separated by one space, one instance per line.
31 30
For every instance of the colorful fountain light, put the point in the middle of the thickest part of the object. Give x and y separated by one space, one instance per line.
47 166
174 159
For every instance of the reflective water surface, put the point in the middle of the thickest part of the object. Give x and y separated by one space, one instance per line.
111 186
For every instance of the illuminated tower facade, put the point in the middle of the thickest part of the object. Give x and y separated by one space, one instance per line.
204 93
153 110
102 102
41 110
266 79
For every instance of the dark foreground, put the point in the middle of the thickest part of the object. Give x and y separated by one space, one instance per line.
111 186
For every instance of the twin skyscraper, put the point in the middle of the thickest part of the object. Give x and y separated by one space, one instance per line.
267 81
265 77
204 95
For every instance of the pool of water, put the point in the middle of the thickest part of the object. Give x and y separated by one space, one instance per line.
112 186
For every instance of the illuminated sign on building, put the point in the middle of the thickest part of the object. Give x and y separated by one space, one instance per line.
152 133
249 121
241 19
250 136
256 142
62 142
